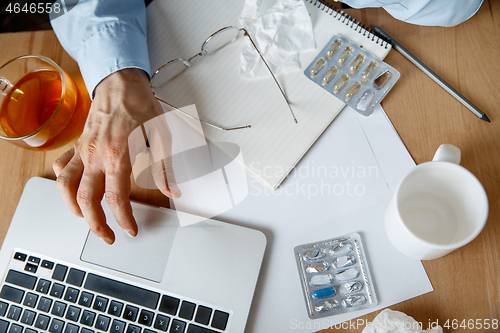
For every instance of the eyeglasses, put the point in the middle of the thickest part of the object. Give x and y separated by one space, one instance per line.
216 41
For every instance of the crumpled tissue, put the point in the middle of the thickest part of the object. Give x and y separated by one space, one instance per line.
279 28
389 321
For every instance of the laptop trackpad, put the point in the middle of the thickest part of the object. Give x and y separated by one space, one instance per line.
146 255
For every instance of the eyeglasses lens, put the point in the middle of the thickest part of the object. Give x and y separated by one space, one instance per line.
167 73
219 39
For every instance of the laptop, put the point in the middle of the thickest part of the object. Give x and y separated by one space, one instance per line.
60 278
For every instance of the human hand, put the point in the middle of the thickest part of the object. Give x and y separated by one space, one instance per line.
99 164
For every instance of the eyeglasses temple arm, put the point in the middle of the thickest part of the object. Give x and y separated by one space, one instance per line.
270 71
203 121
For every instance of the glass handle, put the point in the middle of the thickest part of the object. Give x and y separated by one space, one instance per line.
5 86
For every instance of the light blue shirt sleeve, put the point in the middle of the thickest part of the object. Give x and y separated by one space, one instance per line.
445 13
104 36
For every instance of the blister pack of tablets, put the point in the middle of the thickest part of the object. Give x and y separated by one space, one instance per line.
352 74
335 277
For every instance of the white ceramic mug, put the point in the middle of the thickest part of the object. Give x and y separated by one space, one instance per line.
438 207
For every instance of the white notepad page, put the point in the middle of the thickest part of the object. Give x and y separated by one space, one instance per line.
177 29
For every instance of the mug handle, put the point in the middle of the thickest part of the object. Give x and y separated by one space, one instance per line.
448 153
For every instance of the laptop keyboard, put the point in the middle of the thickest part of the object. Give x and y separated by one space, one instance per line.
40 295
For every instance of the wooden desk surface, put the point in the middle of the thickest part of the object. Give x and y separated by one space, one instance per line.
467 281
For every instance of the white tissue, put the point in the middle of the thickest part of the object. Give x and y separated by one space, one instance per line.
280 29
389 321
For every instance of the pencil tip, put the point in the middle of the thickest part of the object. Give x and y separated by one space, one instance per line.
485 118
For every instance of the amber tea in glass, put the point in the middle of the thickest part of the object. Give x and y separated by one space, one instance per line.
41 107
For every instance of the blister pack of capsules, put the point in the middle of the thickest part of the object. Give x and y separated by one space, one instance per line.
335 277
352 74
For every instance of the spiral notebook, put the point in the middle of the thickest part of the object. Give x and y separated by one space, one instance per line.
274 144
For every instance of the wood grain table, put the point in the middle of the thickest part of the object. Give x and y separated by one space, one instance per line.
467 281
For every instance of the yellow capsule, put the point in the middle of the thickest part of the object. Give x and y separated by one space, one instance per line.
369 70
341 83
344 55
356 62
333 48
330 75
318 66
352 91
382 80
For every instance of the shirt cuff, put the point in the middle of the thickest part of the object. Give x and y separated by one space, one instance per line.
115 47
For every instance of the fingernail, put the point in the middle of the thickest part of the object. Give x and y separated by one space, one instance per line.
107 241
131 233
176 192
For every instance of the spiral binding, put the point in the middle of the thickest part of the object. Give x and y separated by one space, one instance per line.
349 21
